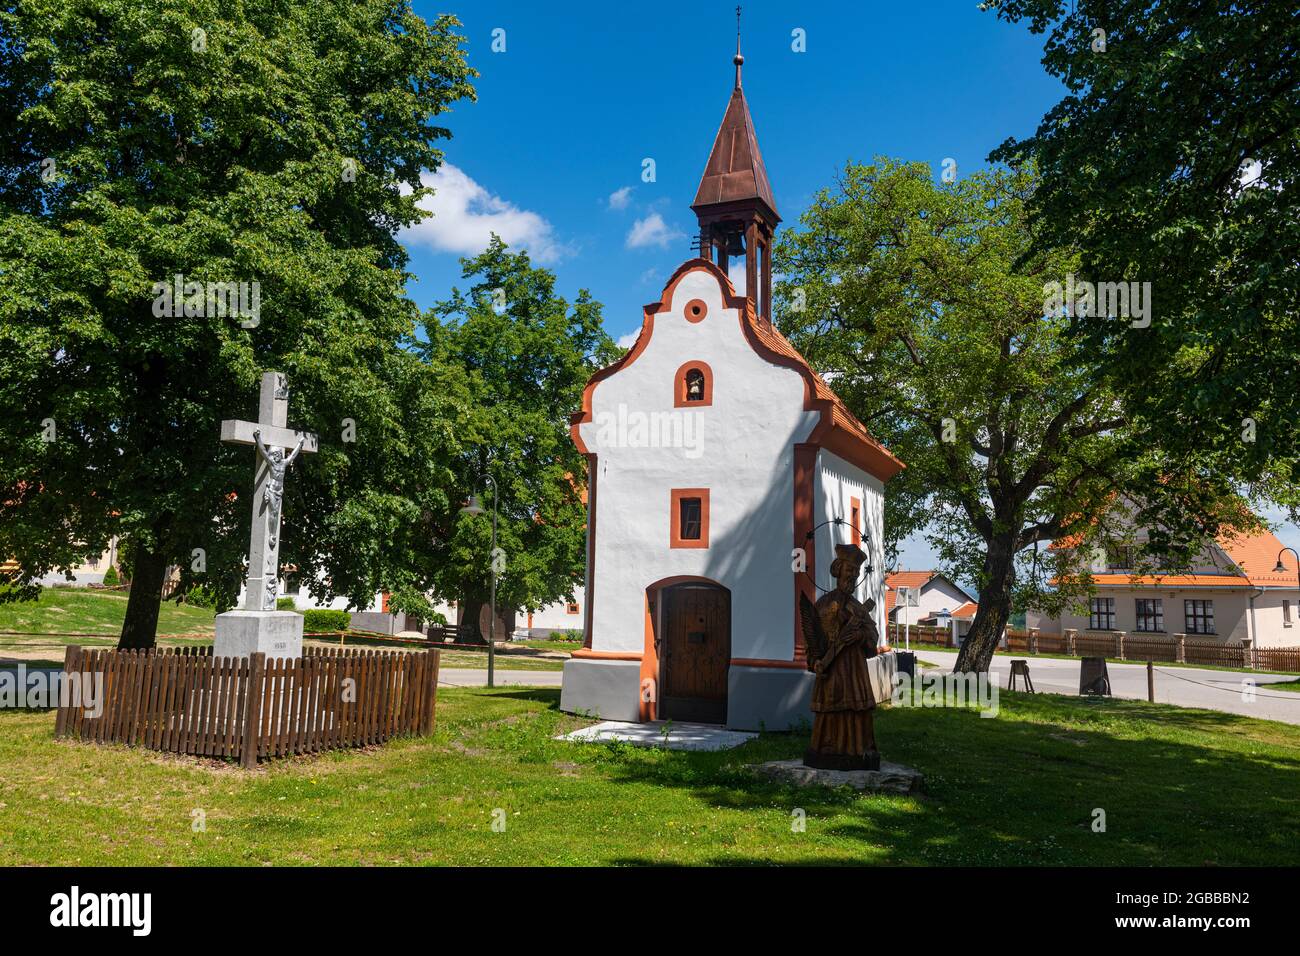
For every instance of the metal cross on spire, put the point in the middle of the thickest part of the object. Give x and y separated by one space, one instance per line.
739 60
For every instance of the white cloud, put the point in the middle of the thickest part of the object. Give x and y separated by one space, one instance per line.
652 231
619 198
628 340
736 273
465 215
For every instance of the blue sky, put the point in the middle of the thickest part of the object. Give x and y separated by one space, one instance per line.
551 154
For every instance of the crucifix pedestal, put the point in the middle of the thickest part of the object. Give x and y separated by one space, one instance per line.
258 626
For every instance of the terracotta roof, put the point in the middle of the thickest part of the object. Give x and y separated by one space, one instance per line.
1256 555
735 168
904 579
908 579
1169 581
967 610
841 417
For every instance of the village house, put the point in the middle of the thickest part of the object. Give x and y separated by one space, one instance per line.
1231 593
699 545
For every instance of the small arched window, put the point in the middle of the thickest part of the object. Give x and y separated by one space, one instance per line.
694 385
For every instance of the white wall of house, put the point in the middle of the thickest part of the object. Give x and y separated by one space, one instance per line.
837 483
1269 618
560 616
742 451
1230 618
936 595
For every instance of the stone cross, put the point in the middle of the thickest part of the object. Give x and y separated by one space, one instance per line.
272 439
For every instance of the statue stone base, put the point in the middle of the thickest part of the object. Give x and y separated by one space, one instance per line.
833 761
888 778
243 633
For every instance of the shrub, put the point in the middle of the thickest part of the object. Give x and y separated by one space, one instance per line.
111 580
200 596
324 619
285 604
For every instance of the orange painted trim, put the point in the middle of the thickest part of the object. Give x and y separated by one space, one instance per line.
805 469
696 310
647 329
675 539
855 520
755 662
648 690
586 653
679 385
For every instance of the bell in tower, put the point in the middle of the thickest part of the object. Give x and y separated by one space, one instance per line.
734 204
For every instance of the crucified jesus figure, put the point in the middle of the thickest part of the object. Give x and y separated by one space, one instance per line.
277 464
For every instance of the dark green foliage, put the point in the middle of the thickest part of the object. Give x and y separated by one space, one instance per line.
1143 163
324 619
283 145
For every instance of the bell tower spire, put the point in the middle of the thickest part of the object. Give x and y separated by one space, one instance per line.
734 204
738 59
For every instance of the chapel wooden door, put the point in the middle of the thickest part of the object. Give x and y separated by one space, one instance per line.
695 653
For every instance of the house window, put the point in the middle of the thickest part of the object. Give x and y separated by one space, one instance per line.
1150 614
693 385
1101 614
689 517
1200 616
1286 613
855 519
1119 557
571 607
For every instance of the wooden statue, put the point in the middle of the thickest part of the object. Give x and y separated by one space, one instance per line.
840 636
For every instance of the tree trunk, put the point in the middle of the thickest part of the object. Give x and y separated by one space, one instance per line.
471 609
140 628
994 610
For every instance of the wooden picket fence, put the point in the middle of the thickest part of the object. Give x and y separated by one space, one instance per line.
184 700
1168 648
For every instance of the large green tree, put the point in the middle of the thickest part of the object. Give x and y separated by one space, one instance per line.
1174 158
257 142
927 307
526 353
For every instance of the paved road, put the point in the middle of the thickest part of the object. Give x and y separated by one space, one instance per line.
477 677
1185 686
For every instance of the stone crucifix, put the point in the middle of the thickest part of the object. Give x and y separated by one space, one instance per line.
277 446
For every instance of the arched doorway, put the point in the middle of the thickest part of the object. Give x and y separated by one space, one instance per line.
694 652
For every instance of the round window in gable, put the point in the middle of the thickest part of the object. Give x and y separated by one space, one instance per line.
696 310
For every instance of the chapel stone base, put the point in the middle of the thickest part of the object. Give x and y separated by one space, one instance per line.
243 633
890 778
769 698
610 690
758 698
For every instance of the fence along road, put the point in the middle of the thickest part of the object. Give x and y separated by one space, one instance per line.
1185 686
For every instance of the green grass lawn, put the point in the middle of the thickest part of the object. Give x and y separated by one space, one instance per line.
83 611
550 644
1177 786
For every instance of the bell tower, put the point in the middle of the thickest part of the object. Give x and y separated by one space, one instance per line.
734 204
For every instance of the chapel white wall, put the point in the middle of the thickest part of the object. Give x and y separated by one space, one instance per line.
743 453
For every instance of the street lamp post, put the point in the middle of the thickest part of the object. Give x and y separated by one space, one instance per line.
1282 568
476 508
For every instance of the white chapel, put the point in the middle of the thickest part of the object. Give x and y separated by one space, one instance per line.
722 472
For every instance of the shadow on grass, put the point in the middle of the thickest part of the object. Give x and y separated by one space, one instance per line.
1173 786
